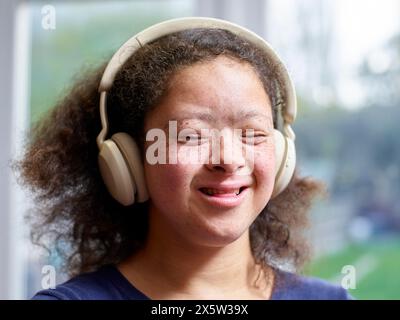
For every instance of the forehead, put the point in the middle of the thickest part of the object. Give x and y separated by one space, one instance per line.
219 89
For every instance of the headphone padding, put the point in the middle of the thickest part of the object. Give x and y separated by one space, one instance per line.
115 173
131 154
285 162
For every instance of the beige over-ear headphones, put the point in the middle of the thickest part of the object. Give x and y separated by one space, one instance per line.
119 157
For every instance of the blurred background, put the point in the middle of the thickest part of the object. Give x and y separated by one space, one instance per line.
344 57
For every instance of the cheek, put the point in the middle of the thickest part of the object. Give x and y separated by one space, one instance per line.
264 170
168 182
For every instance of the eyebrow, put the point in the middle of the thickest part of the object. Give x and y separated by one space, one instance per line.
206 116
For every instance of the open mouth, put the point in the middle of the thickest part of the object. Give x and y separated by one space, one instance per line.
222 193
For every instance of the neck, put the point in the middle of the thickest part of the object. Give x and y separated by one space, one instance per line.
193 270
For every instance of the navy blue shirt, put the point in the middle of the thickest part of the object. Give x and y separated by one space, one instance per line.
109 284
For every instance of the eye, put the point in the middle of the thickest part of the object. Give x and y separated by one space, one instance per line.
190 139
254 137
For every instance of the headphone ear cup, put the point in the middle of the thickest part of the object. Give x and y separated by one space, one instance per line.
131 153
285 162
115 173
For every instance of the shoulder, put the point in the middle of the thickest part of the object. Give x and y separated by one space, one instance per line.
291 286
103 284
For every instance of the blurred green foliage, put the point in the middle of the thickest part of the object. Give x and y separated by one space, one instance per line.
380 280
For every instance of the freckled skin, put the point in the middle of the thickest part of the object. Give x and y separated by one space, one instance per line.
224 87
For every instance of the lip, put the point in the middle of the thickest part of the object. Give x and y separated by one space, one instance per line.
226 186
225 200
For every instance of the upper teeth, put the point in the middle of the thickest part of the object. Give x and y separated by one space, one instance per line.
216 191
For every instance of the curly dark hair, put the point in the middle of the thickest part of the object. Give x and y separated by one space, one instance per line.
73 211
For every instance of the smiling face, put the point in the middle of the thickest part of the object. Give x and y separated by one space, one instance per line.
197 201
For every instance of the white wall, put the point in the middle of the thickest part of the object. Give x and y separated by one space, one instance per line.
14 93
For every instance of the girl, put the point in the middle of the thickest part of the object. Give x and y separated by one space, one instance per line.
152 208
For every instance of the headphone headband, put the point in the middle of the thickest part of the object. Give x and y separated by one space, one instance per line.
175 25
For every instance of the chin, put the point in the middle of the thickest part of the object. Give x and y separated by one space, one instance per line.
221 236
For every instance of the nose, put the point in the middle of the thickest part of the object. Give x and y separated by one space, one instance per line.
226 153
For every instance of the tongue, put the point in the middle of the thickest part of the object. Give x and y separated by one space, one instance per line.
220 195
223 195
